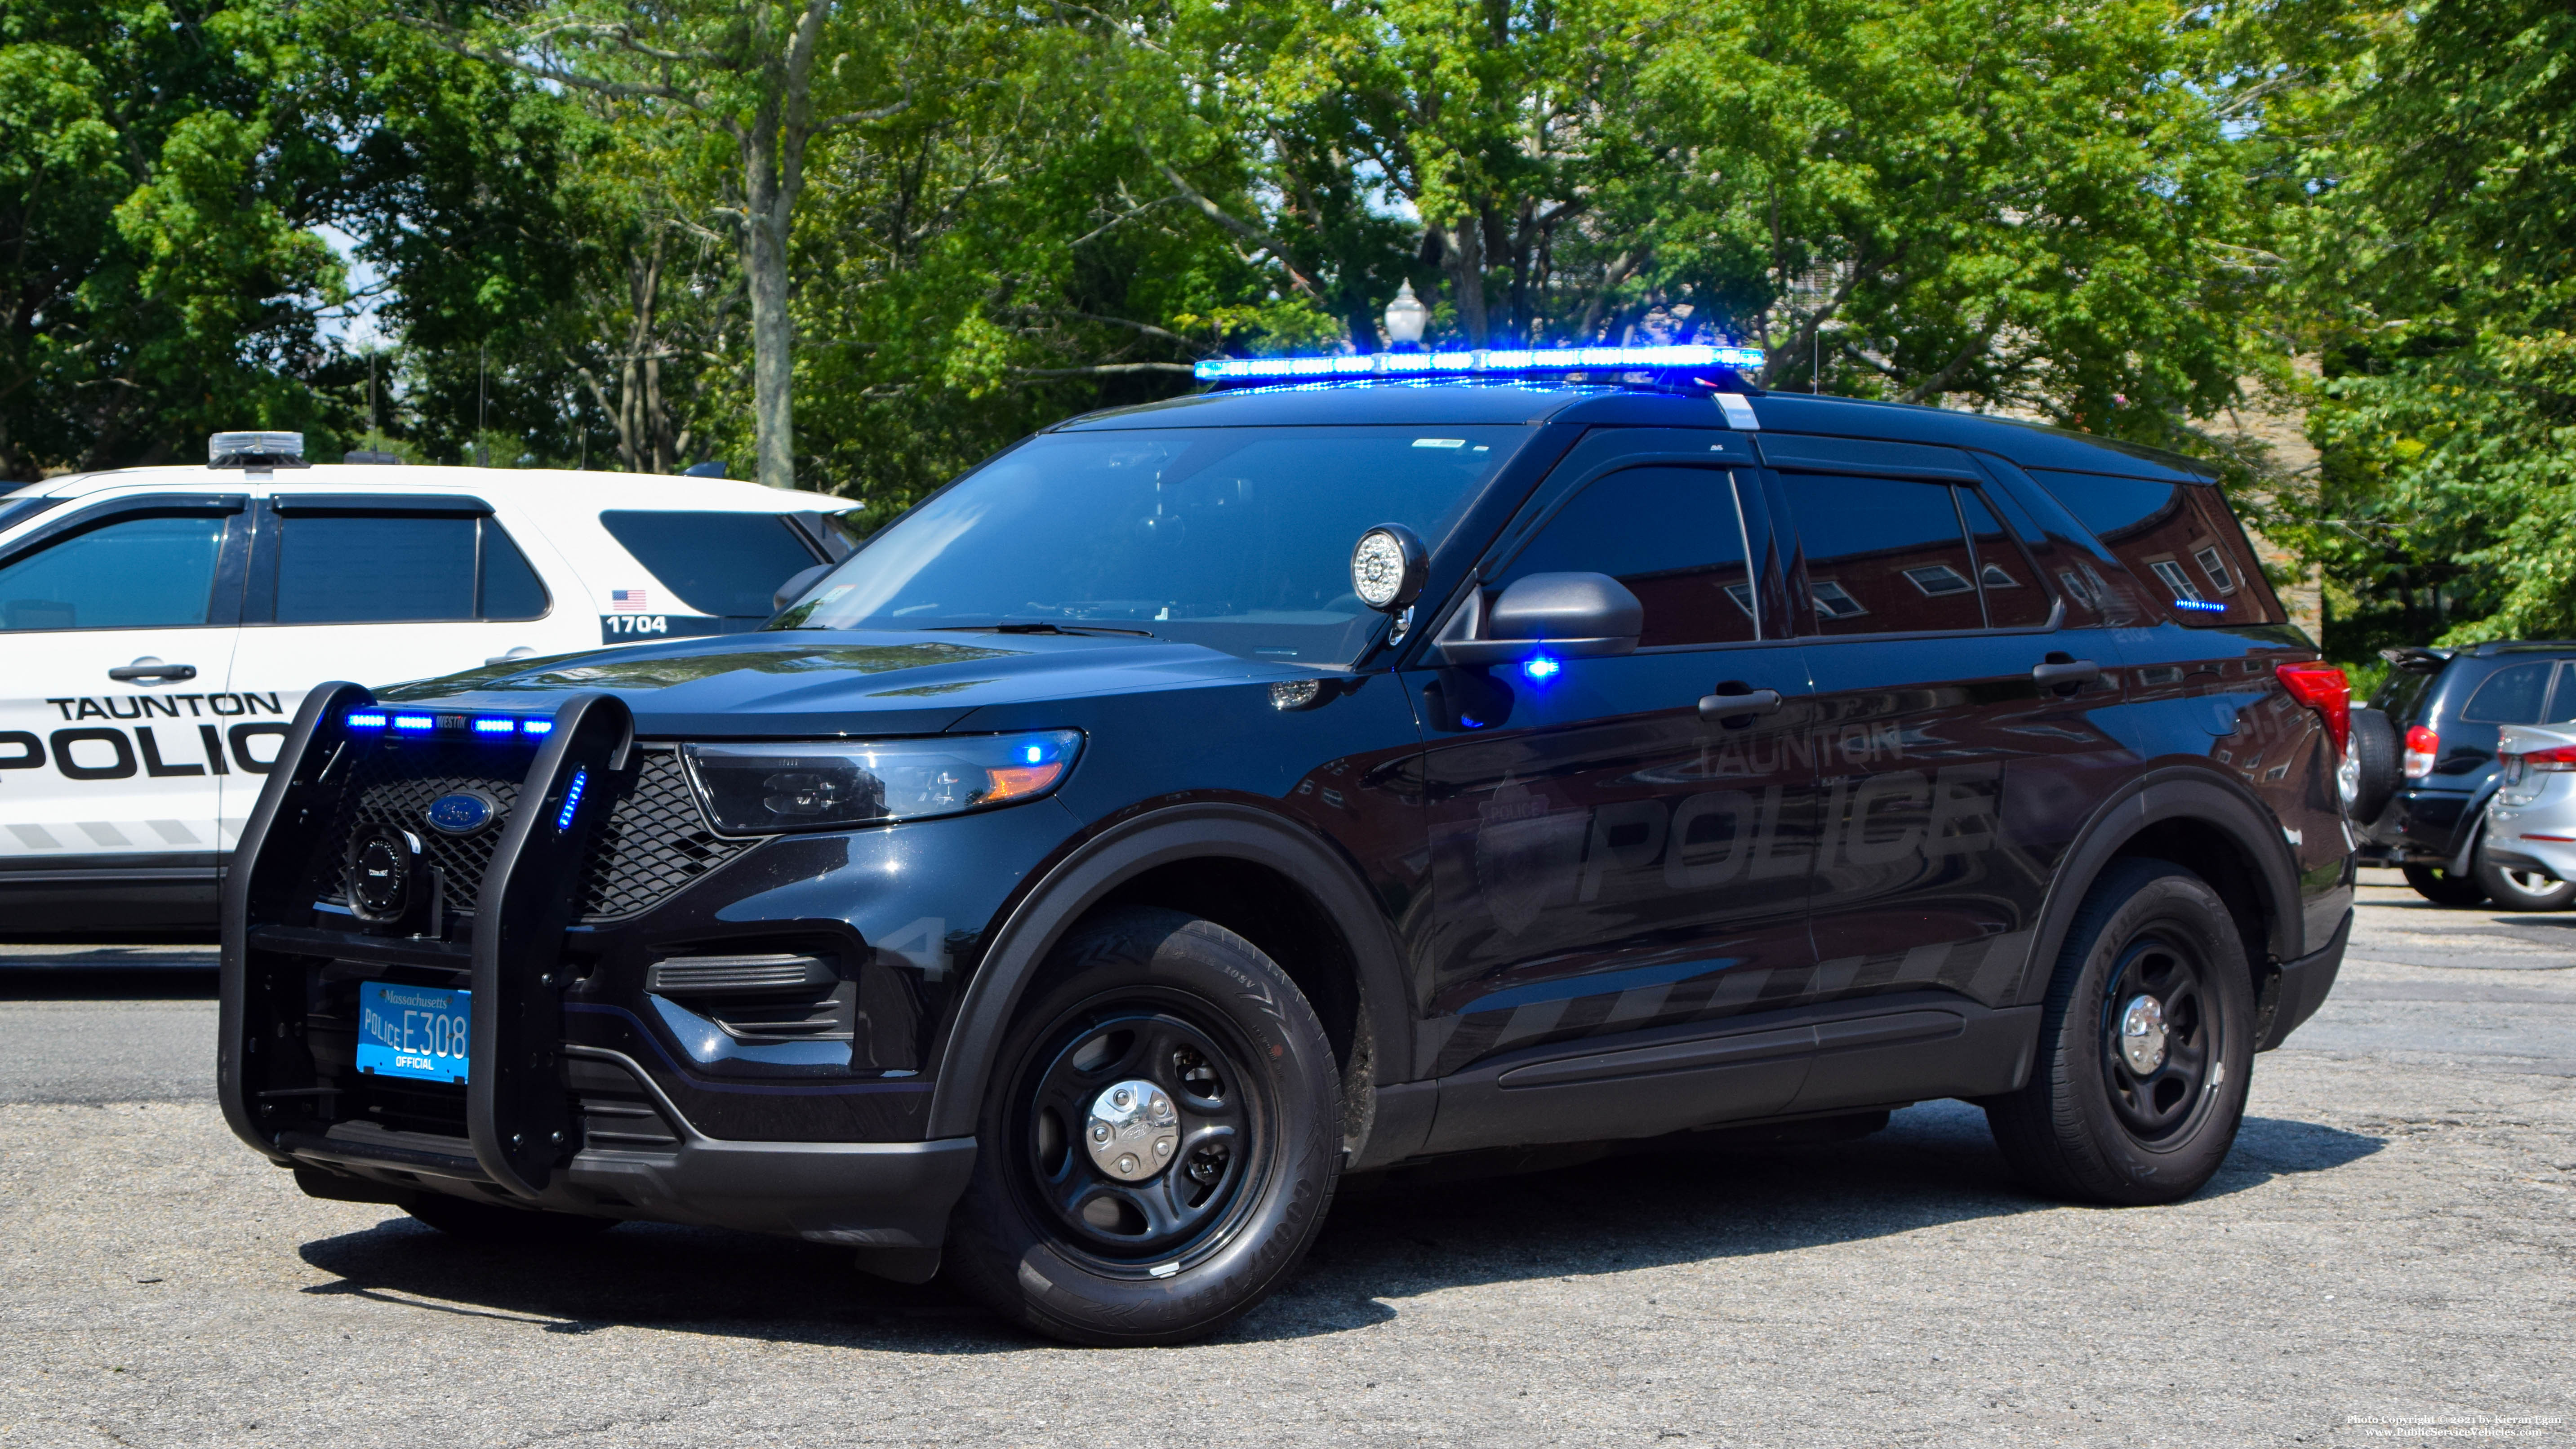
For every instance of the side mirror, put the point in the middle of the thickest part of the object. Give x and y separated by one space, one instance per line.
796 585
1571 616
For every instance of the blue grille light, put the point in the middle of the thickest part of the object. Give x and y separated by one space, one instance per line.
1540 668
2201 606
537 726
496 726
367 719
572 797
1487 361
415 722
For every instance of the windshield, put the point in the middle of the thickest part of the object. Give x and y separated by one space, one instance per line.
1236 538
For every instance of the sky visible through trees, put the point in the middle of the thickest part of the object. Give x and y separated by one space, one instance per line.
857 244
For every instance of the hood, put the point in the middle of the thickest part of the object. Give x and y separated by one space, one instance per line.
833 682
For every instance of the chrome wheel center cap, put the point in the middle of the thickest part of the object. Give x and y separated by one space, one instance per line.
1132 1131
2142 1034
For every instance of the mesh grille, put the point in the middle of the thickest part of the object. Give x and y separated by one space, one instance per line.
653 843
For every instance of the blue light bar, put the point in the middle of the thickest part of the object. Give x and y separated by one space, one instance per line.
537 726
1482 362
366 719
490 726
572 797
415 722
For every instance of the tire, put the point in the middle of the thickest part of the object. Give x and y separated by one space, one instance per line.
2379 756
2436 884
1051 1236
495 1226
2091 1125
2521 890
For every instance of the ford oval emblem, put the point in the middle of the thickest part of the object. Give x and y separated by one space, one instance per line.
462 813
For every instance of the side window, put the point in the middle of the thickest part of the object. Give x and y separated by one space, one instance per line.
2180 538
727 564
375 568
1884 556
2562 700
1672 535
2511 695
2014 596
509 588
128 573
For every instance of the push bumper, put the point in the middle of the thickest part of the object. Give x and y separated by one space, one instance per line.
2303 986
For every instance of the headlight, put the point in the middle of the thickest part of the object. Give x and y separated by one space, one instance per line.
765 789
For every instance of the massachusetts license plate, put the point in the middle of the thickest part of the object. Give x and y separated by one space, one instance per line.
414 1031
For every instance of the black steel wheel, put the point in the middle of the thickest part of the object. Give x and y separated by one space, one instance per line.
2442 888
2146 1044
493 1225
1159 1142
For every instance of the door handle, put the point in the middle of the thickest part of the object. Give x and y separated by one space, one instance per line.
152 669
1739 706
2060 672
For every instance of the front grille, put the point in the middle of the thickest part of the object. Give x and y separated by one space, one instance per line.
653 843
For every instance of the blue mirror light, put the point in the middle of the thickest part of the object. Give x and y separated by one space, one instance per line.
1539 668
1480 362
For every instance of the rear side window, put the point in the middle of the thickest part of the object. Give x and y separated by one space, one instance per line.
728 564
391 568
132 573
2180 538
2516 694
1672 535
2014 596
1887 556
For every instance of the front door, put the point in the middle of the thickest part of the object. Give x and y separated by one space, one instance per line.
1604 860
116 624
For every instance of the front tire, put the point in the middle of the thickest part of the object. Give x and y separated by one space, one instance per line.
1160 1141
2146 1044
2438 885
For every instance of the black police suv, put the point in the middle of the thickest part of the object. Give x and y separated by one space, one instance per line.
1200 801
2425 753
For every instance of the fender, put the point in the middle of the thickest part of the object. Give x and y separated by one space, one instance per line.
2168 793
1080 881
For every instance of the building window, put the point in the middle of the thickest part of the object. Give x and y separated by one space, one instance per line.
1936 580
1833 602
2176 580
2215 565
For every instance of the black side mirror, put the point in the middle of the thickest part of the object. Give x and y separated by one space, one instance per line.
1571 616
796 585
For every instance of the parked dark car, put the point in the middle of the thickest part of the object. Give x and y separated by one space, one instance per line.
1201 801
2425 753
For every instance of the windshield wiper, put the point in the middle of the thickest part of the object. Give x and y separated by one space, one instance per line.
1035 629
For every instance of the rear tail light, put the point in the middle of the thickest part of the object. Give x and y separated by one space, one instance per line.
2562 758
2322 687
2422 745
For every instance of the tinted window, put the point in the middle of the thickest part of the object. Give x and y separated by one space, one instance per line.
2010 582
1884 556
374 568
510 589
1235 538
134 573
2114 508
2511 695
1671 535
717 563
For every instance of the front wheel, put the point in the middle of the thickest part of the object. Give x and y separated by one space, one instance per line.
2145 1045
1160 1142
2442 888
2522 890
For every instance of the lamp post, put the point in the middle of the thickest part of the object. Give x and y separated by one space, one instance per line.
1405 319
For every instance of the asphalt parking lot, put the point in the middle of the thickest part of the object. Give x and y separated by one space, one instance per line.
2389 1257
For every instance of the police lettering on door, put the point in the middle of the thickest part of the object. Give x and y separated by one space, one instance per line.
229 733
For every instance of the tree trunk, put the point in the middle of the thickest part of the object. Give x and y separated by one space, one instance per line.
764 264
1465 257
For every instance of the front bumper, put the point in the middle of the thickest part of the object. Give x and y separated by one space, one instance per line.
573 1102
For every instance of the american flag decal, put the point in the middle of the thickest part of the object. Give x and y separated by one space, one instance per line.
626 601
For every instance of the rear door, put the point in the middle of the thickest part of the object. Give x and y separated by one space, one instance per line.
116 720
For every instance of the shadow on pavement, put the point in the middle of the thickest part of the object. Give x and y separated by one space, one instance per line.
1387 1240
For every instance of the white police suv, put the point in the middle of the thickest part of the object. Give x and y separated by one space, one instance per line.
159 625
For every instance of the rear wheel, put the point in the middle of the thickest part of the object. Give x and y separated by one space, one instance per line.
1162 1137
504 1227
2523 890
2145 1046
2377 764
2438 885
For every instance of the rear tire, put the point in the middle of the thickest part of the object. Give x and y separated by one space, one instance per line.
2145 1046
1235 1091
2378 754
495 1226
2436 884
2522 890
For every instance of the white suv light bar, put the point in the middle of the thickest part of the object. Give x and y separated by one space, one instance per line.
255 450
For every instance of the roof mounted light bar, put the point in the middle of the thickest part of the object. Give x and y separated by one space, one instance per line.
1482 362
256 452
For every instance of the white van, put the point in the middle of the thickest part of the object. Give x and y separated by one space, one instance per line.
159 626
